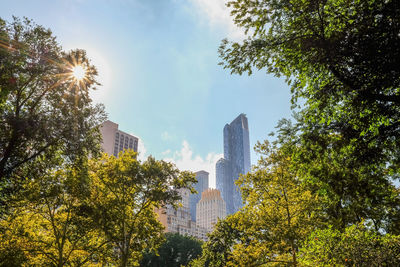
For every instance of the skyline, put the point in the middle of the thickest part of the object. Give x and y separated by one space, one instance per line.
158 65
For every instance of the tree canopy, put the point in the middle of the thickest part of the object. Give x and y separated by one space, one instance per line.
356 246
51 224
64 217
301 185
280 212
341 59
350 188
43 107
177 250
65 205
124 195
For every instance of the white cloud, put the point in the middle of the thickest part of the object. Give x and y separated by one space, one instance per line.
142 156
218 15
186 160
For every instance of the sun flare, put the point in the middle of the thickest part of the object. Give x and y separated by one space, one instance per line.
78 72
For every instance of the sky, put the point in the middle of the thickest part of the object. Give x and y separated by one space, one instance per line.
158 66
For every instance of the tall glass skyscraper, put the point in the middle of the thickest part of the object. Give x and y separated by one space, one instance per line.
236 161
200 186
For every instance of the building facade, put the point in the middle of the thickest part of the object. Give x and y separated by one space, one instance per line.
210 207
114 140
200 186
236 161
179 220
222 178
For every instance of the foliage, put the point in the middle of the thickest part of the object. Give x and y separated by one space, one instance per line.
341 55
61 210
303 181
66 216
280 212
349 188
357 246
50 226
43 108
176 251
125 193
217 251
341 59
48 129
11 252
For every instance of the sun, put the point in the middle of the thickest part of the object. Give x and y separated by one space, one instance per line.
78 72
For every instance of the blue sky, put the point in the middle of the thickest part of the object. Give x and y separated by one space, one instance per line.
158 65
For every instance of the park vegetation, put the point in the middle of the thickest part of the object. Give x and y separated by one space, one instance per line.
323 192
62 203
176 251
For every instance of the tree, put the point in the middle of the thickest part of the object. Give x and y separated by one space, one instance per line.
304 181
125 193
280 213
51 224
357 246
68 216
349 188
176 251
341 59
217 251
43 107
282 210
352 189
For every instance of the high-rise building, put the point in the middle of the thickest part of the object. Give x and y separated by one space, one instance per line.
115 140
200 186
222 178
236 161
210 207
179 220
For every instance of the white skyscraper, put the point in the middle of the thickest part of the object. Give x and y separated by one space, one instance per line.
210 207
115 140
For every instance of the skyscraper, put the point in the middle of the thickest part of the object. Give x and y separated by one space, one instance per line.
222 177
236 161
114 140
210 207
179 220
200 186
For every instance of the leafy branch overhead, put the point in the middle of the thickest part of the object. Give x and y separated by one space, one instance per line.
61 204
42 107
341 57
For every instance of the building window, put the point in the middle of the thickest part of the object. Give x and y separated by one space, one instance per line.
130 143
121 142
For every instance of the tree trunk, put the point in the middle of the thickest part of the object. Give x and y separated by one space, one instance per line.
294 255
124 259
